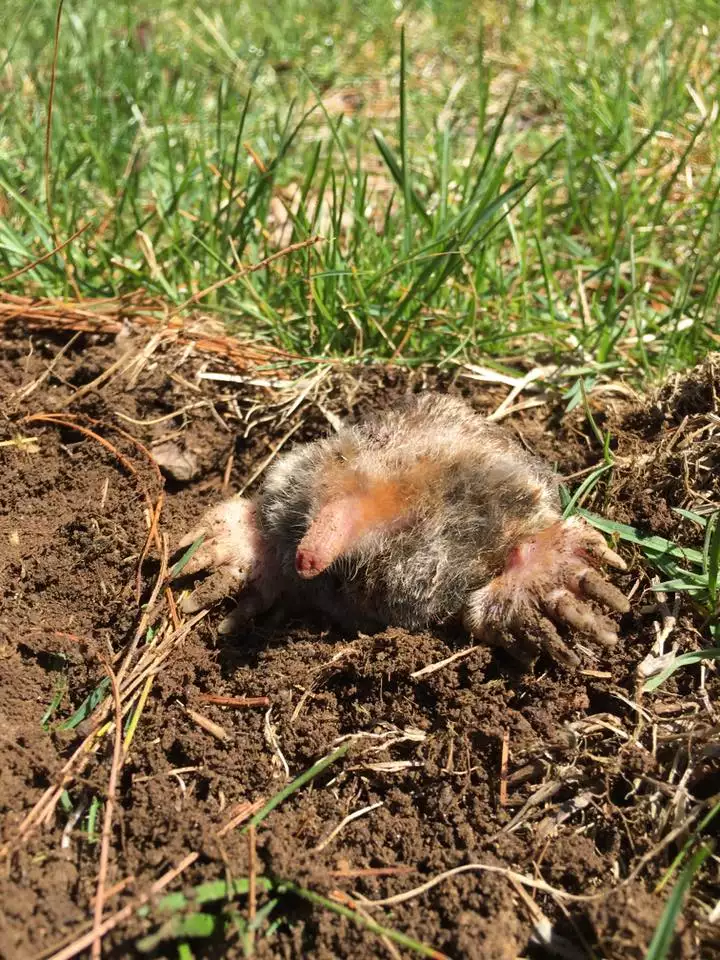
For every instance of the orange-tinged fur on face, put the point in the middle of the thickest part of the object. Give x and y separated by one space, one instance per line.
355 504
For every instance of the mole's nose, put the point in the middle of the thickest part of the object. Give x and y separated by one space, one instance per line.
308 564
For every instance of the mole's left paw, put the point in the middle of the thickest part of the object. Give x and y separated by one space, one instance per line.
232 557
550 578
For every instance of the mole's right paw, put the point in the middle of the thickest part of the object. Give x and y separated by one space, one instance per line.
230 555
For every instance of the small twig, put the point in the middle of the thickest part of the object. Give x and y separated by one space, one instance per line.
96 949
433 667
227 472
301 245
344 822
504 767
531 882
46 256
234 701
118 887
241 814
220 733
349 872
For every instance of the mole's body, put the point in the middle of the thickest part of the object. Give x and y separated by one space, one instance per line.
421 514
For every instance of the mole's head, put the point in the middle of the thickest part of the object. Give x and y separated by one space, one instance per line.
362 493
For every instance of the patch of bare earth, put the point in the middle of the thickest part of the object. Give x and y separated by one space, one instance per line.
575 790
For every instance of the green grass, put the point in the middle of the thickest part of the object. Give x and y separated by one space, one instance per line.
497 166
662 941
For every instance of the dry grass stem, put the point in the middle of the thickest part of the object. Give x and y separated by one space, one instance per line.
244 271
504 757
440 664
235 701
26 391
352 873
344 822
214 729
96 949
530 882
240 815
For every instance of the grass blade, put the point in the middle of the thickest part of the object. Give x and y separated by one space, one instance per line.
407 188
296 784
87 706
186 557
657 546
712 555
398 176
363 921
199 925
662 940
684 660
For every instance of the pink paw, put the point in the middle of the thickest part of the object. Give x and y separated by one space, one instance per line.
232 557
550 578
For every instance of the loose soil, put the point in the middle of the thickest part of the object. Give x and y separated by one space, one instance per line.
597 776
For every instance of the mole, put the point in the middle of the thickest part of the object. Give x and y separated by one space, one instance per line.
419 515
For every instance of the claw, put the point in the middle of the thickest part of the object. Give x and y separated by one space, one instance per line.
543 631
191 537
561 605
223 583
594 586
498 636
235 559
548 577
596 545
229 538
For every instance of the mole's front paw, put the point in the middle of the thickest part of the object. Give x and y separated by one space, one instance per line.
230 554
550 578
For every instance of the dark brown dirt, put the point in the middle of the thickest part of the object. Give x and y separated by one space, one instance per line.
596 779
